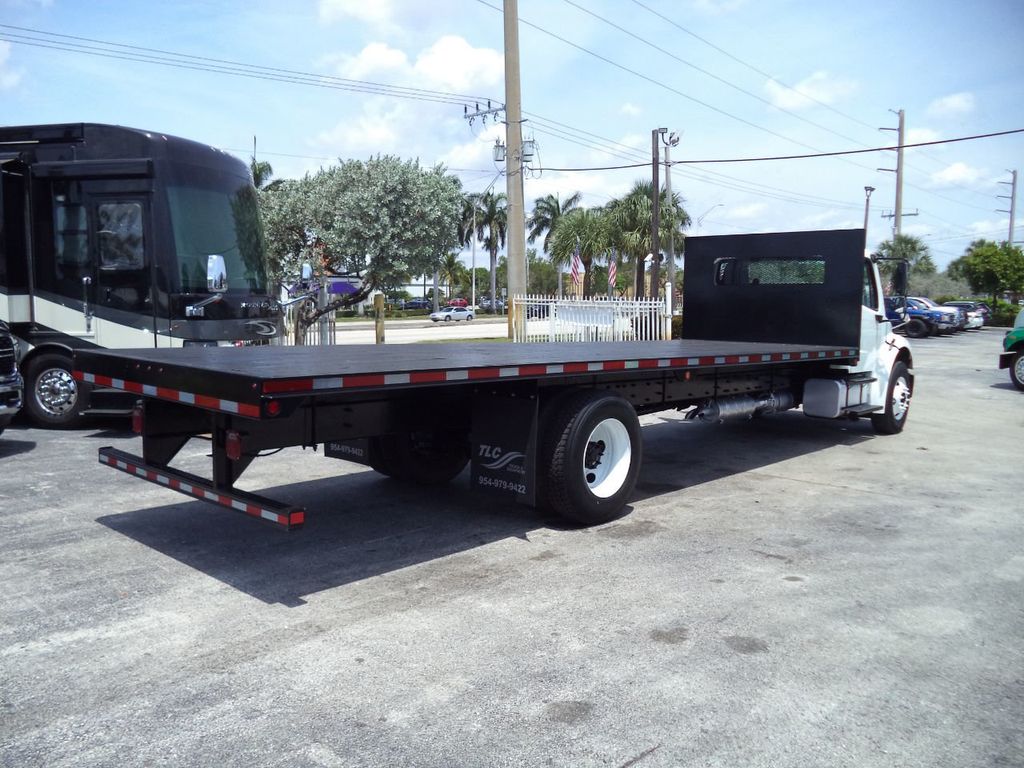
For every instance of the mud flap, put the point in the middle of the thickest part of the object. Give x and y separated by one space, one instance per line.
503 446
356 450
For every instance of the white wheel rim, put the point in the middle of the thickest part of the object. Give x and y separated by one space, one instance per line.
1018 368
900 398
606 458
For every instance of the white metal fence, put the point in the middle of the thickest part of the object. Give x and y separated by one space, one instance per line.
546 318
320 333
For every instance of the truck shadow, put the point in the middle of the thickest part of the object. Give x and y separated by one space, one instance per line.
360 525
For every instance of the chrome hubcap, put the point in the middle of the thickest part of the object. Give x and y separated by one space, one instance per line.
56 391
900 398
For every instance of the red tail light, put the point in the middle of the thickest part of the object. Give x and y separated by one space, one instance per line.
233 445
138 420
273 408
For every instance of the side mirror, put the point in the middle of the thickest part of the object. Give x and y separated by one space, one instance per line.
899 279
307 273
216 273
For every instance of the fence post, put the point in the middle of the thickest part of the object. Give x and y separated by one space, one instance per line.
378 311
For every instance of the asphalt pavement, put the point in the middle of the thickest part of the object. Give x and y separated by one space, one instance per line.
783 592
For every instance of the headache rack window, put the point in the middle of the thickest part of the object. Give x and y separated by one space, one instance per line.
786 271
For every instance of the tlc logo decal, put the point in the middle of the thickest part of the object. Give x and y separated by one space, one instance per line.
498 458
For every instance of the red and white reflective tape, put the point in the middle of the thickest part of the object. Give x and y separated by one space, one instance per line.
166 393
377 380
293 517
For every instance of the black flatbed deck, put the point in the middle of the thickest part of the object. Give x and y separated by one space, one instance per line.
239 379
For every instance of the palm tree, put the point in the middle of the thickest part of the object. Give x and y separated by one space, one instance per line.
491 224
452 271
261 172
547 211
911 248
631 223
589 229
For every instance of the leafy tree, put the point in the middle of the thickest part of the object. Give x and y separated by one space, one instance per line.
261 171
547 211
384 219
590 230
991 268
452 272
631 223
491 225
908 247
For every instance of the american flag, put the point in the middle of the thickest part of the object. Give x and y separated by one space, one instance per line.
577 266
612 271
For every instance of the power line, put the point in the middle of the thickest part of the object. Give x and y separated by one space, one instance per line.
798 157
73 44
712 75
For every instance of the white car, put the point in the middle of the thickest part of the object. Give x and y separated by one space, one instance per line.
452 313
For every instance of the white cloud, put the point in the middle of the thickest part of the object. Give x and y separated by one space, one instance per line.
374 59
450 64
630 109
379 12
957 174
821 87
954 105
9 78
371 132
453 63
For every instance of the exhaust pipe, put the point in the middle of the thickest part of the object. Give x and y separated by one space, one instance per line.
742 406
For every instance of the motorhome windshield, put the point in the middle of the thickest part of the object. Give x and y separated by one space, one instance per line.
216 214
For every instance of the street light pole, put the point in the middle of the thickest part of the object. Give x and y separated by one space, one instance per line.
867 207
673 140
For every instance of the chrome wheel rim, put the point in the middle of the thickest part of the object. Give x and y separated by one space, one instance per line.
901 393
56 391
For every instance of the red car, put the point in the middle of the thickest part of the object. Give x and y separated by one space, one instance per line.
458 303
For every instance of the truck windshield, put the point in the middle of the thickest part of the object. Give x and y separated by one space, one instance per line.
217 216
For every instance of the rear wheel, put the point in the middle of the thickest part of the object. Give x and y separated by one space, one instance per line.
52 396
423 458
897 402
1017 370
590 457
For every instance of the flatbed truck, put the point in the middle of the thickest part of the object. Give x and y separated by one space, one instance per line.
771 322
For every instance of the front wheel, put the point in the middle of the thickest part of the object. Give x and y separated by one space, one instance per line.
897 402
589 457
1017 370
52 396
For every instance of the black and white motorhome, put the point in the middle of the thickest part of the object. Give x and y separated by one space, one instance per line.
113 237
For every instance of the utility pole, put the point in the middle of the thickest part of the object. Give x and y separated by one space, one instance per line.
898 210
1012 197
516 215
655 217
673 140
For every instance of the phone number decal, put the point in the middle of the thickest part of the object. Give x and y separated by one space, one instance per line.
502 485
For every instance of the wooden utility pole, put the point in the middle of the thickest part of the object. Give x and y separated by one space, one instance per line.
516 215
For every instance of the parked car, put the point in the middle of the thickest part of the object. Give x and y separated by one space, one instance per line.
1013 352
11 385
918 319
419 304
452 313
975 317
499 305
459 302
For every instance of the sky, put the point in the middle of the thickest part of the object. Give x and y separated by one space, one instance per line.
734 79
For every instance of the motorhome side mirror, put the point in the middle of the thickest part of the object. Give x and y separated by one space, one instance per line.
307 273
216 273
899 279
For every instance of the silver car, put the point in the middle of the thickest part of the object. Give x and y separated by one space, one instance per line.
452 313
